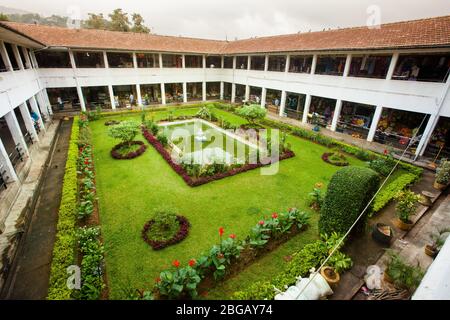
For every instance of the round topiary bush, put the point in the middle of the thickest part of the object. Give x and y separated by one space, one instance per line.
349 191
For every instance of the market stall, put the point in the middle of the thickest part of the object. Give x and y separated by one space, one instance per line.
355 119
439 144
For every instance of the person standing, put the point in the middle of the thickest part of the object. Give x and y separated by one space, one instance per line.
60 103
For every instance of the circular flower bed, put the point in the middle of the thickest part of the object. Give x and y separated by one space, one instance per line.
179 236
116 154
334 158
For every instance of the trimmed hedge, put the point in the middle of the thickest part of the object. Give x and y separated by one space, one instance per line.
390 190
65 243
349 191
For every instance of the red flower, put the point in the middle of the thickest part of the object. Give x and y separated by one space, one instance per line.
192 262
274 215
232 236
86 162
221 231
176 263
158 279
220 255
385 152
261 222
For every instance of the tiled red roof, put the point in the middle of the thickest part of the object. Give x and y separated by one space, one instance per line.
431 32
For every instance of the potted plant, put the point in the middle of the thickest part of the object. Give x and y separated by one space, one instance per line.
338 263
406 207
330 275
402 274
382 233
442 175
437 241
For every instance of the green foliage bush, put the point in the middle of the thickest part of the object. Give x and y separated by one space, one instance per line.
443 172
310 256
64 248
252 112
402 274
382 165
125 131
349 191
388 192
165 225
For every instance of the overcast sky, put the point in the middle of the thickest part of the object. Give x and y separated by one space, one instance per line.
244 18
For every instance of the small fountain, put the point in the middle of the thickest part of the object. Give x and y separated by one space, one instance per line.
200 136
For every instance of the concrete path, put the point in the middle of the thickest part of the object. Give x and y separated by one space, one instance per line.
29 274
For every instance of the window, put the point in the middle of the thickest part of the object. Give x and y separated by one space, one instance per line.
241 62
370 66
257 62
330 65
300 64
191 61
53 59
120 59
228 62
84 59
12 56
423 67
22 57
277 63
213 62
172 61
147 60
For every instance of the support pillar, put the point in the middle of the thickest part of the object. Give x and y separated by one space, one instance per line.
184 92
204 91
139 95
42 105
374 124
35 108
306 108
111 96
222 86
28 121
14 128
163 94
288 62
81 98
282 103
10 173
314 64
247 92
348 63
5 56
336 114
233 92
431 125
392 66
135 65
47 101
263 97
18 58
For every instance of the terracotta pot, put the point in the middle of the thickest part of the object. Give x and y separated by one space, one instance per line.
382 233
439 186
330 275
403 225
430 251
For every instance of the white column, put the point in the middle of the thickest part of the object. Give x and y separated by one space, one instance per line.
111 96
5 56
105 58
204 61
392 66
266 62
18 58
183 61
298 103
35 108
336 114
34 60
233 91
249 61
161 64
72 60
306 108
81 98
204 91
288 62
28 121
163 93
431 124
234 62
263 97
374 125
14 128
139 95
221 62
42 105
314 64
282 103
348 63
47 101
135 65
184 91
28 63
7 165
247 92
222 86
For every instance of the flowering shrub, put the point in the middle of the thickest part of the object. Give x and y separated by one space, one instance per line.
116 154
161 244
205 179
221 256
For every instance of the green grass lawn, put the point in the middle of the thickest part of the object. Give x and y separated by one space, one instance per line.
130 190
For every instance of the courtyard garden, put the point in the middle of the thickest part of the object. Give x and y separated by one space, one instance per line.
138 188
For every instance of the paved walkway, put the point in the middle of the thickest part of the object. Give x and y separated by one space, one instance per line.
29 274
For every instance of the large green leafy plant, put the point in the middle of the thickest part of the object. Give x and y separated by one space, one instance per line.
443 172
406 204
125 131
252 112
